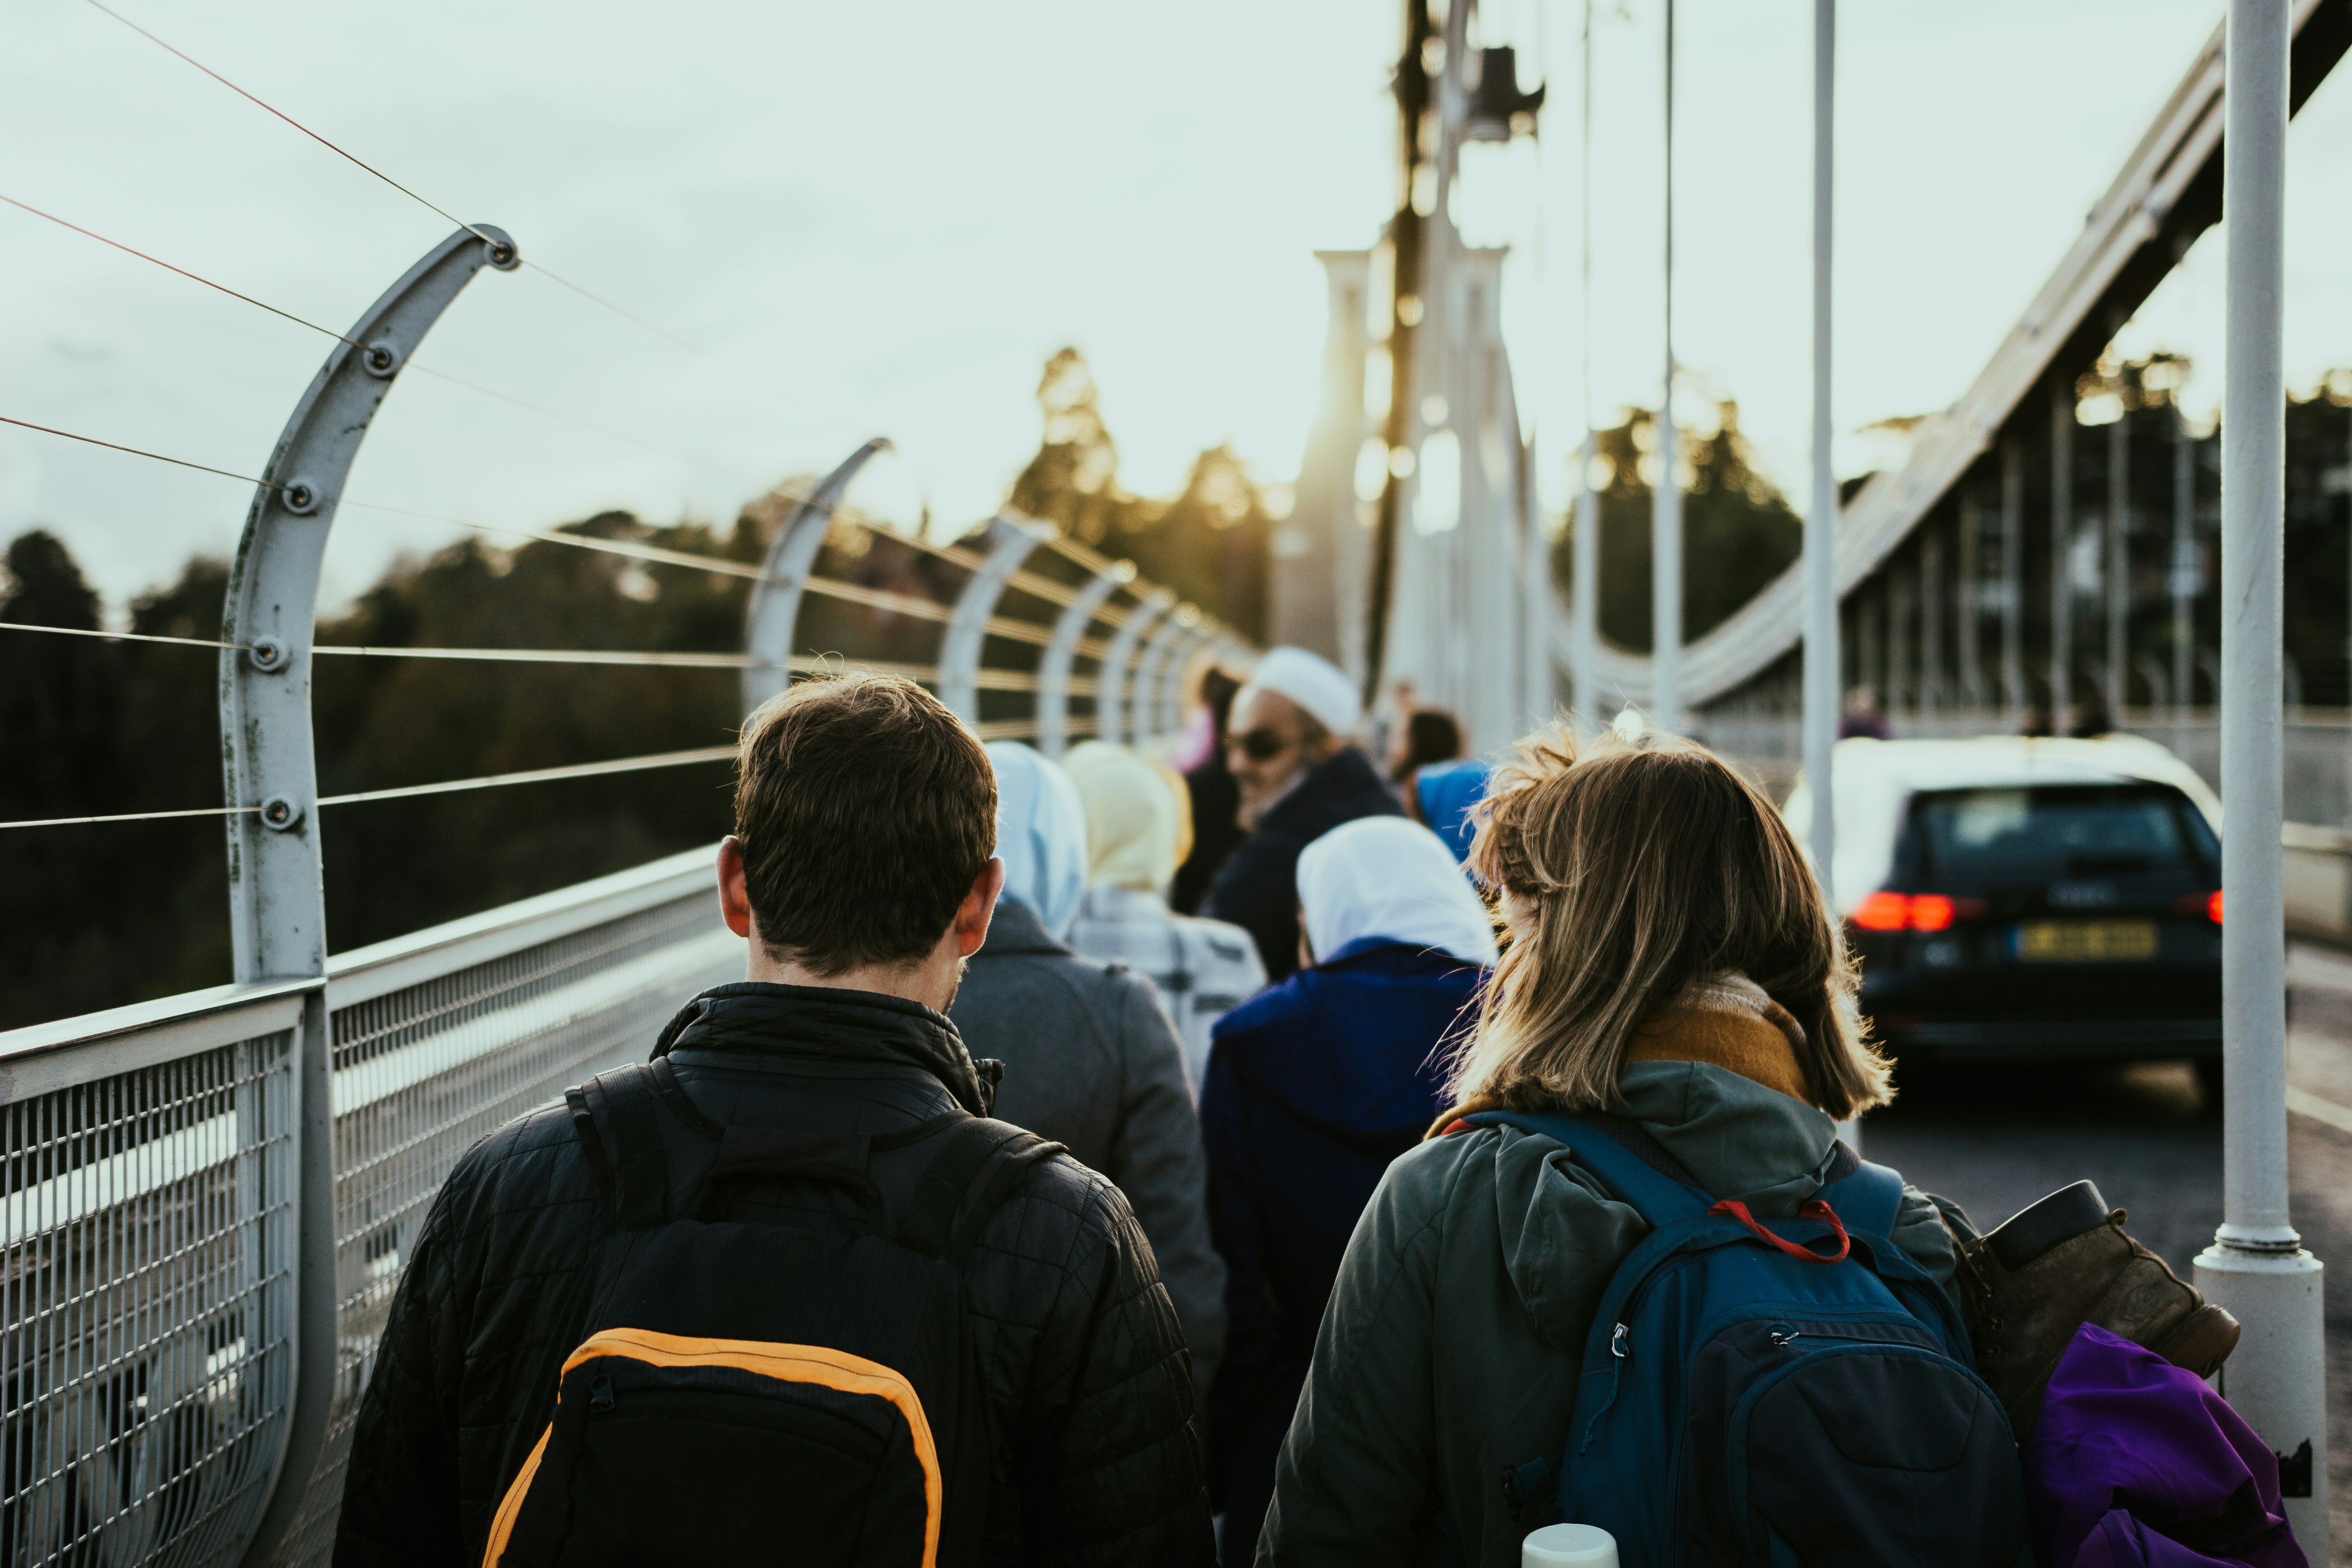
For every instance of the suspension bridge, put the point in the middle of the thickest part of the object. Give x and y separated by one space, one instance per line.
208 1196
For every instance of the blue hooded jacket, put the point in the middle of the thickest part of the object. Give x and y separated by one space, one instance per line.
1313 1087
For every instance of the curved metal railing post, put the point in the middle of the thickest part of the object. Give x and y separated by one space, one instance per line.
1010 541
1053 670
277 912
1142 699
770 619
1110 684
1171 679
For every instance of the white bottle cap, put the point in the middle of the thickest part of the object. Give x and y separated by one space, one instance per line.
1569 1546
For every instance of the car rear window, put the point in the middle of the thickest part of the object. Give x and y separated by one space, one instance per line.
2060 830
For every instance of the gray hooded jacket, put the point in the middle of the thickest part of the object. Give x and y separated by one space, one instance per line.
1451 1346
1091 1062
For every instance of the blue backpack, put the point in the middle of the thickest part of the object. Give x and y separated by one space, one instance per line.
1802 1394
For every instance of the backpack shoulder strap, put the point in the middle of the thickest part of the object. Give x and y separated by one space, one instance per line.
982 1160
1868 1198
620 1105
1642 1175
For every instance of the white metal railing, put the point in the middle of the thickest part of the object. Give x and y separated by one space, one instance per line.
209 1200
149 1160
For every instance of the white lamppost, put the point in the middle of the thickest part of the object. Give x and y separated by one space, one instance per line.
2257 1267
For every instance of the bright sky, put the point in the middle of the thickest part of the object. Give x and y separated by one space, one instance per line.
882 217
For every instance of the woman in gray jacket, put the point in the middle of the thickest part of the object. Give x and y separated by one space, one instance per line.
1671 962
1090 1059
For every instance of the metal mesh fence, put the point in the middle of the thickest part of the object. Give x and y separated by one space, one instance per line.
422 1073
146 1328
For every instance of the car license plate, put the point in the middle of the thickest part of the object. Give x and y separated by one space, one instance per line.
2087 941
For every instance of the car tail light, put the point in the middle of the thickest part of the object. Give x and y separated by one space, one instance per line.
1883 912
1889 910
2206 904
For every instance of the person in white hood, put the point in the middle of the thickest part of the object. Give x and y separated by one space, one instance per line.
1314 1086
1135 829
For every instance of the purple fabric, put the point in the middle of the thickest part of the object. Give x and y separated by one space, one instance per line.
2137 1464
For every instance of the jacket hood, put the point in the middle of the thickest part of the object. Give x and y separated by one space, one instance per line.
1385 877
1015 928
1446 792
1041 833
1739 1138
1353 1047
1139 823
824 1023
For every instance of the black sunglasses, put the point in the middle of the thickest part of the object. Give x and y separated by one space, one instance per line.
1259 745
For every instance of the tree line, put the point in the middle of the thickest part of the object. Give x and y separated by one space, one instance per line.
100 915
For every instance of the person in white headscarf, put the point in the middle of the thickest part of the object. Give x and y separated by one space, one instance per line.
1288 745
1314 1086
1384 879
1089 1057
1135 833
1041 833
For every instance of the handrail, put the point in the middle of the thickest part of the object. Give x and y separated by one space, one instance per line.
402 961
41 1057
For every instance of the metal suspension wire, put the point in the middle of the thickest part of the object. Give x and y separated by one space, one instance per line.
986 679
139 452
358 163
404 792
120 637
653 553
874 598
608 431
651 657
826 587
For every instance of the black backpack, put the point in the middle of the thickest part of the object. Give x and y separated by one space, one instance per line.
740 1393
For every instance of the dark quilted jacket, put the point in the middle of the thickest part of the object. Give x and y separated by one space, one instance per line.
1089 1394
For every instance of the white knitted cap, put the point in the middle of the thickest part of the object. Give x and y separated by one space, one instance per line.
1312 681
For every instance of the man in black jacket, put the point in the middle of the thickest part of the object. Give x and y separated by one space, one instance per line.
1287 746
862 873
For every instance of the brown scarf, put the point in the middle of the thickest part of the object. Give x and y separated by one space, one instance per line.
1727 1022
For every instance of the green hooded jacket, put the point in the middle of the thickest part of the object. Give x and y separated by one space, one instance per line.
1450 1349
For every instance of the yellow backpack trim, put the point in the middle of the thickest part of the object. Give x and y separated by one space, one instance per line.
787 1364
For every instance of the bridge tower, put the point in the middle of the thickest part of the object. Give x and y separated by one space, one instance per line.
1409 548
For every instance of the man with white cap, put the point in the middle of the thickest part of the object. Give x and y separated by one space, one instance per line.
1287 747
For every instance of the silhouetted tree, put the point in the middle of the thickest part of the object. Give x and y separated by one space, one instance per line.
1208 542
1738 531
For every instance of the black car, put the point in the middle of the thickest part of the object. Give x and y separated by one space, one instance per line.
2046 918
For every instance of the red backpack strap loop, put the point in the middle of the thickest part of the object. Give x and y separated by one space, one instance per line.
1811 1208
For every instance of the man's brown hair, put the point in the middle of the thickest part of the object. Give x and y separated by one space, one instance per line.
866 811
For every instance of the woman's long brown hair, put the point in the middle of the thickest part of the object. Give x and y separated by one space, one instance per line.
1632 873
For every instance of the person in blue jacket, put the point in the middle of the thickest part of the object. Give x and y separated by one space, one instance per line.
1313 1087
1444 795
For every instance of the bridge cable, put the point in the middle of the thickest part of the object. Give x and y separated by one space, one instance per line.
403 792
136 452
874 598
985 679
395 184
689 458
